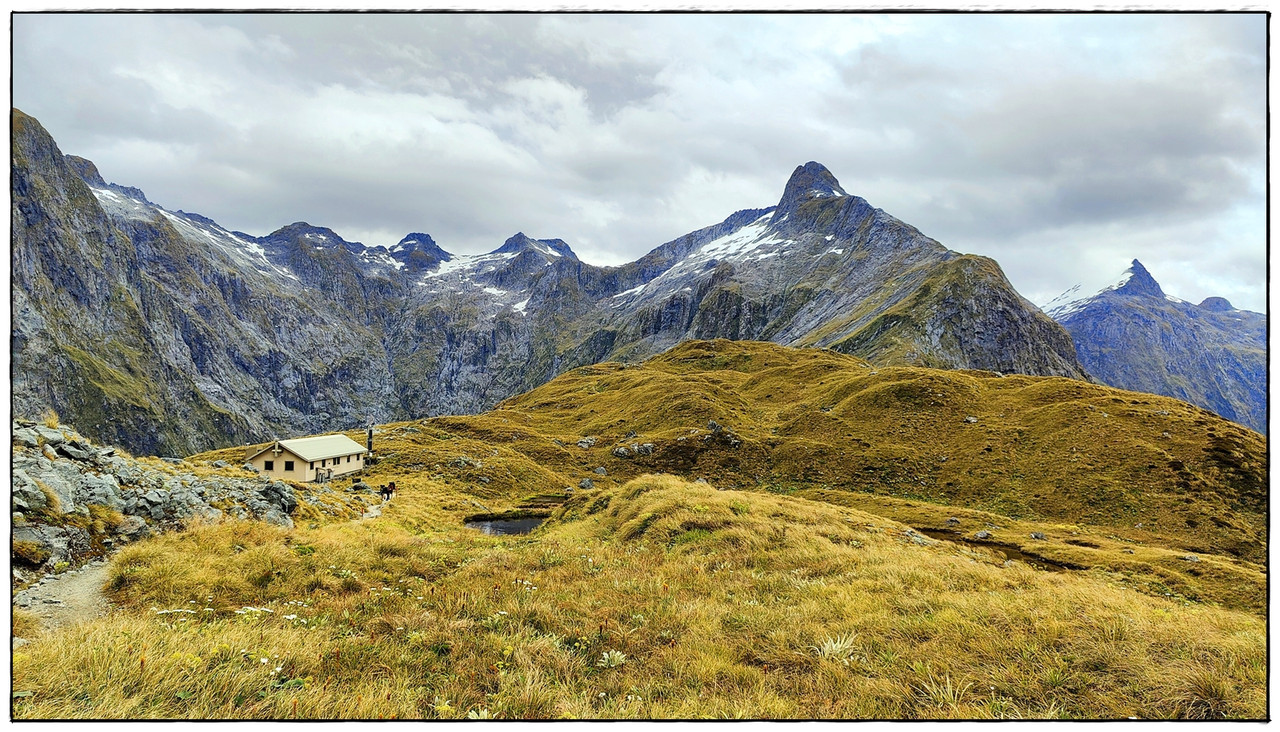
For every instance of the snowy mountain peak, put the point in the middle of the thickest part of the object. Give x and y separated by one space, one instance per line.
317 235
418 252
1135 280
88 172
419 242
1138 281
521 243
808 182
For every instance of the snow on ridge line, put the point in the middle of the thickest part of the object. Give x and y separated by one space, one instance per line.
739 245
104 193
1071 301
254 254
520 306
632 291
465 261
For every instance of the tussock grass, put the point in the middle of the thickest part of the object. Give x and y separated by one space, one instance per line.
658 598
1101 472
1053 450
800 593
25 624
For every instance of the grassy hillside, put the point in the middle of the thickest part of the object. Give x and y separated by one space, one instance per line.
659 598
797 582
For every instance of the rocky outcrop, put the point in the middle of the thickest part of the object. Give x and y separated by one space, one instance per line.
72 500
1134 336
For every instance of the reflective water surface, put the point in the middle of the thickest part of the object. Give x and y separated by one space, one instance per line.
506 526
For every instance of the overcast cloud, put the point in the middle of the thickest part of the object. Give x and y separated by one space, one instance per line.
1063 146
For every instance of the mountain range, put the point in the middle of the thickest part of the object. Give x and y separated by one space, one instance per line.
127 315
1133 336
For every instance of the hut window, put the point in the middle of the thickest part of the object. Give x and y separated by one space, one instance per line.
288 465
270 465
311 465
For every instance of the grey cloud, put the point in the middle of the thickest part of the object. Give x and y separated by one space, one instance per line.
1027 138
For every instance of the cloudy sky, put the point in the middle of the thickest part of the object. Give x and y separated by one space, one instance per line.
1063 146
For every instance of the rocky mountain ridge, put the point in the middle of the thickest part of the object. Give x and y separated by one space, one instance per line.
126 313
1133 335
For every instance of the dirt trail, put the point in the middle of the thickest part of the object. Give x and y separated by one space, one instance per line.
76 596
373 511
69 598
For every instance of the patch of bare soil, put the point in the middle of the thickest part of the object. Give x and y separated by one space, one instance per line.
69 598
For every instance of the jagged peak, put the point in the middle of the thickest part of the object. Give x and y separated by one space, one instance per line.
317 236
1138 281
809 181
1135 280
520 242
419 243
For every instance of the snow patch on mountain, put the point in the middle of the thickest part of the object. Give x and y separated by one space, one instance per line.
1072 300
379 257
632 291
464 265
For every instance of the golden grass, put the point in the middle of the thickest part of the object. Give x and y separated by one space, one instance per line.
24 623
658 598
1143 564
1133 471
1041 449
801 593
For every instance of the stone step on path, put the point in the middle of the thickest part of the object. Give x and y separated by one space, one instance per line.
373 511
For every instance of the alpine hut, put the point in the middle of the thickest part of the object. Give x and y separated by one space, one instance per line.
309 458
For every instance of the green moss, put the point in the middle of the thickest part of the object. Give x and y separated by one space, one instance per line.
116 384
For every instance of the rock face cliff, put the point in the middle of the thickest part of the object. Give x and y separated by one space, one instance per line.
163 332
1133 336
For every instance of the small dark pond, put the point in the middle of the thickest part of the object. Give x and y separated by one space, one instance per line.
1004 550
506 526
